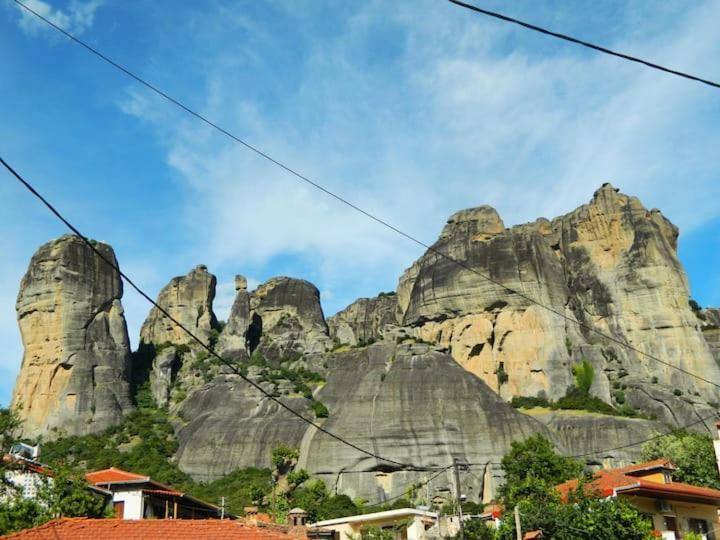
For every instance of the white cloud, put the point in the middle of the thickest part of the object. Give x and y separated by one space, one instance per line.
447 123
78 17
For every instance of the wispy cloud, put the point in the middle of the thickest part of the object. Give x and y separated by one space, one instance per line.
76 18
440 121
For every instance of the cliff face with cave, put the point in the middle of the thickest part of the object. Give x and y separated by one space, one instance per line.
419 376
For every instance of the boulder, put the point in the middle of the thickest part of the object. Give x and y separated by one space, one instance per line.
75 372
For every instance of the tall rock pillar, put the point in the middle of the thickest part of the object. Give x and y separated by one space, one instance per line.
75 371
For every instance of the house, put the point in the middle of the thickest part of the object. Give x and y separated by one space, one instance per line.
28 476
135 496
407 523
181 529
674 508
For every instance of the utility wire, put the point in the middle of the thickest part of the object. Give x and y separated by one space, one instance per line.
414 486
209 349
358 209
583 43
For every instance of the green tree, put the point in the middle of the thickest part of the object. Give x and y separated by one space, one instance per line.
584 375
66 494
476 529
536 458
692 453
584 516
19 513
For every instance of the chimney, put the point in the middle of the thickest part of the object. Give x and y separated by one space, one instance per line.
297 517
716 444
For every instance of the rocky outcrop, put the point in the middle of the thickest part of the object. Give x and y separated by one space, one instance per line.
75 371
189 300
233 342
364 321
408 402
611 265
280 319
710 323
227 424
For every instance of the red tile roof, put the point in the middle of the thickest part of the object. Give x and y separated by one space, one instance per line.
112 475
177 529
611 481
662 463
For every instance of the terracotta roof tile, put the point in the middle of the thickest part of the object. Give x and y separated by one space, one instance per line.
177 529
111 475
606 482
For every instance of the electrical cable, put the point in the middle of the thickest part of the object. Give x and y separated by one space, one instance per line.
344 201
583 43
353 206
414 486
209 349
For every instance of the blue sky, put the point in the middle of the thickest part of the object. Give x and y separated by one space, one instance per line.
412 110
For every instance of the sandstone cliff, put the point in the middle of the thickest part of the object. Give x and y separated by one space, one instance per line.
364 321
710 323
189 300
170 351
75 370
280 319
610 264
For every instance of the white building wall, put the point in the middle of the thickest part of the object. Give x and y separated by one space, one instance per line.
134 504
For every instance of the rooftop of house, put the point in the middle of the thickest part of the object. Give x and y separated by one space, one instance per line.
375 516
114 478
179 529
113 475
644 479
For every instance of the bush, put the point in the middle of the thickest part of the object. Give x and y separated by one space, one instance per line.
577 399
619 396
319 409
502 376
677 392
584 375
528 402
283 456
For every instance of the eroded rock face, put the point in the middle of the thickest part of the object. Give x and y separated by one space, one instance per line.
409 402
710 323
233 342
280 319
364 320
188 299
75 372
610 264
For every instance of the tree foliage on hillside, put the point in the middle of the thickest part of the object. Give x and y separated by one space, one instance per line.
533 469
692 453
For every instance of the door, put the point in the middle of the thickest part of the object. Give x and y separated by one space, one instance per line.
119 508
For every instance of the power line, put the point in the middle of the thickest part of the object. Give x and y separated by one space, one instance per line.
414 486
209 349
583 43
353 206
637 443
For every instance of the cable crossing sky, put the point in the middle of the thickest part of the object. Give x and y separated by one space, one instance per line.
353 206
587 44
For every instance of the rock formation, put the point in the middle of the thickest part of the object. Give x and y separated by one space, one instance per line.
280 319
233 342
188 299
710 323
610 264
75 371
365 320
